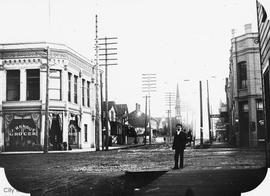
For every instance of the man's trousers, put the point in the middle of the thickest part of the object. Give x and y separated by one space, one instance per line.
179 152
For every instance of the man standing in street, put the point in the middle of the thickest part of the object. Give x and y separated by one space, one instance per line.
179 145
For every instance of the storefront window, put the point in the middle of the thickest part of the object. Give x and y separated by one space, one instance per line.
33 84
260 121
55 84
13 85
22 132
259 105
245 107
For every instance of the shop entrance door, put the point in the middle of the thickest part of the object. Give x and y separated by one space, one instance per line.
244 124
73 136
55 133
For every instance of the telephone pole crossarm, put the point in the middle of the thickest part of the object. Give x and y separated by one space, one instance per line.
106 46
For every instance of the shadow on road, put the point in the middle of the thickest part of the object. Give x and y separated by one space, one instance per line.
139 179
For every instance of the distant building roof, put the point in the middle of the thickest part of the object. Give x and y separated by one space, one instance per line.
136 119
121 109
110 105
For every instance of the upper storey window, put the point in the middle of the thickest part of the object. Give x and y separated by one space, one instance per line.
13 85
75 89
69 87
33 84
242 74
83 87
55 84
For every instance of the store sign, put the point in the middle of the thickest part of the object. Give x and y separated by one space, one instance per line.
23 130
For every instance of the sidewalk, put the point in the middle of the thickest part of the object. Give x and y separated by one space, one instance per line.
205 182
75 150
218 170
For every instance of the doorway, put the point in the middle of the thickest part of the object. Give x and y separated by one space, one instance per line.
55 133
73 132
244 123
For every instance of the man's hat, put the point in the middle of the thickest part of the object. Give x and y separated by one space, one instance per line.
178 124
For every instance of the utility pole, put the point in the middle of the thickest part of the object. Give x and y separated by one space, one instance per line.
101 114
208 108
148 86
108 52
187 117
169 97
145 122
46 131
97 119
212 125
169 124
201 116
178 106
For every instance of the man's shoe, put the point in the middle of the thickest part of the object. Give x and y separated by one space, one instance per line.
176 168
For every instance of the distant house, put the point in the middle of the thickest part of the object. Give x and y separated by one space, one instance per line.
154 126
122 120
137 120
117 121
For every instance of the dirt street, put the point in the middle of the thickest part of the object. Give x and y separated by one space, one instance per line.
103 172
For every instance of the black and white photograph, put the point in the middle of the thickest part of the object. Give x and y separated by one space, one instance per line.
135 97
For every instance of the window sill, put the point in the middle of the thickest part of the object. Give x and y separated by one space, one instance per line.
242 89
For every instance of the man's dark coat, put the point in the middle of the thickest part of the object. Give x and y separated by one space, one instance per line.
179 141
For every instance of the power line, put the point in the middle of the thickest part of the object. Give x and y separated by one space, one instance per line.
169 101
148 86
105 48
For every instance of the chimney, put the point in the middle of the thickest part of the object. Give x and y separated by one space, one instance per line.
233 33
138 107
248 28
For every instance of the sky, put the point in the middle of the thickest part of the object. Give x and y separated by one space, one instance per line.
175 39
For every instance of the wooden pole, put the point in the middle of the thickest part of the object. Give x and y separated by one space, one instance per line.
46 131
150 131
97 115
209 119
145 124
106 96
201 116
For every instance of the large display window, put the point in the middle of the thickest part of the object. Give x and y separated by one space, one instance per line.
22 132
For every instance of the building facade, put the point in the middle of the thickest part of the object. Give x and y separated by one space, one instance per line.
72 92
244 91
264 37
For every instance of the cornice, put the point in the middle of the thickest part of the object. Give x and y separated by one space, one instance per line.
246 51
39 50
